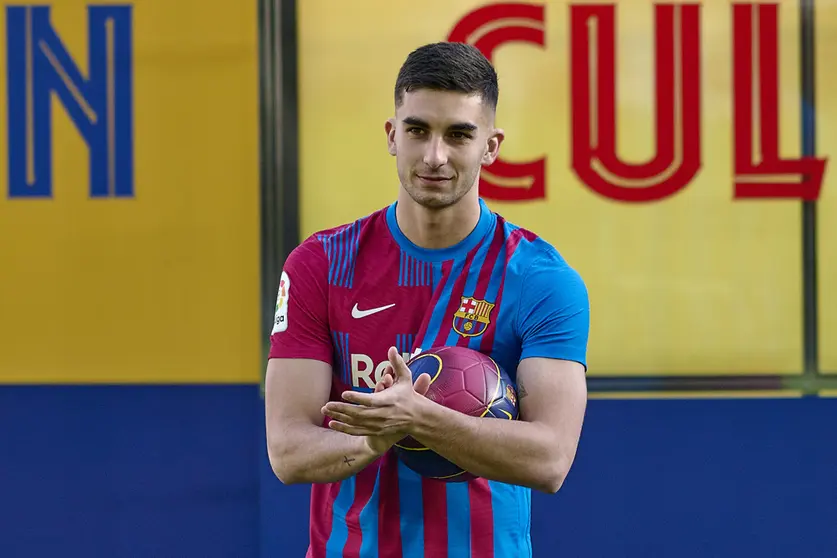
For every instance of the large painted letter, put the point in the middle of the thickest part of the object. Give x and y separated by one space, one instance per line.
100 105
759 170
504 180
678 156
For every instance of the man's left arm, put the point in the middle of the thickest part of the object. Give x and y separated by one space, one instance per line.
553 321
535 451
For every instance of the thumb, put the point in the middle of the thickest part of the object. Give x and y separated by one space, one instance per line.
422 384
399 367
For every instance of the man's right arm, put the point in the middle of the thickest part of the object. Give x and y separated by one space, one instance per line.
300 448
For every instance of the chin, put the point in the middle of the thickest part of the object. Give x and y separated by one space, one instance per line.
435 198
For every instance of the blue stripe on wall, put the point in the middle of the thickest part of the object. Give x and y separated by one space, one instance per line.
696 478
103 471
139 471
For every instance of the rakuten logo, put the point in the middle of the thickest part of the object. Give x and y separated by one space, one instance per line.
365 373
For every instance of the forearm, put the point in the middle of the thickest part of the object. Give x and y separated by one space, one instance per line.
312 454
514 452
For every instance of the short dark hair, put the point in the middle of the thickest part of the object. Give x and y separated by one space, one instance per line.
448 67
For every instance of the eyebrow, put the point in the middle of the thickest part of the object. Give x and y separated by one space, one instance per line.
458 126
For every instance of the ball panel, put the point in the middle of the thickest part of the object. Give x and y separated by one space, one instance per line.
410 443
449 381
464 402
432 465
505 407
477 381
426 363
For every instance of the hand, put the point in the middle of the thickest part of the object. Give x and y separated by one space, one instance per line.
381 444
385 415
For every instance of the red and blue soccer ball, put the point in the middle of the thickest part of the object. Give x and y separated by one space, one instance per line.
464 380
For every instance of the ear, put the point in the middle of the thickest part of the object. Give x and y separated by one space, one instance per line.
492 148
389 127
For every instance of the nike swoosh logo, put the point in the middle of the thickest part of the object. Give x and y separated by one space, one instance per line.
358 313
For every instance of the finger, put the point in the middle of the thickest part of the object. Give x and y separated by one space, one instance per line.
365 399
357 412
385 382
369 422
380 386
337 413
346 419
350 430
399 367
422 384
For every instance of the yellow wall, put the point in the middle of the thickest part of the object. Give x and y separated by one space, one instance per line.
826 107
695 283
162 286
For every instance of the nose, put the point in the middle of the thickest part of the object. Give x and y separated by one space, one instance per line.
435 153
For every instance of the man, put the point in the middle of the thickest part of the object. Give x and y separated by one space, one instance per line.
355 300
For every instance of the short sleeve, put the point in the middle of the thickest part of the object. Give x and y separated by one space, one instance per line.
554 313
300 325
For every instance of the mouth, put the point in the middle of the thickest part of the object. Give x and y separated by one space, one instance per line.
433 179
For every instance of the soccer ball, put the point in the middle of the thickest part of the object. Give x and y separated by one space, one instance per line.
464 380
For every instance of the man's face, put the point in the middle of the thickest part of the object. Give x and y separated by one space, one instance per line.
440 140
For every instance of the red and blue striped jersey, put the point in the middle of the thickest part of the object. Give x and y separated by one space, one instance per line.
348 294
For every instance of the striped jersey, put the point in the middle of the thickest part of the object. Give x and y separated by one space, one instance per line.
348 294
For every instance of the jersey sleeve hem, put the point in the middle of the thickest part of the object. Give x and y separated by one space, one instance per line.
302 353
547 352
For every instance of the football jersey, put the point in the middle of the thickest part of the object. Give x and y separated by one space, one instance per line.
348 294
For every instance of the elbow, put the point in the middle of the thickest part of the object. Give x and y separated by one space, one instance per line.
282 464
552 477
551 484
285 474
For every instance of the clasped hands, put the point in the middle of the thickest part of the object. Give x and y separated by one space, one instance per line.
386 415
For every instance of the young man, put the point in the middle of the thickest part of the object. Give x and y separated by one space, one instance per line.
355 300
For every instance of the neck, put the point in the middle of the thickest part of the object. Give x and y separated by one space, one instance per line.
435 229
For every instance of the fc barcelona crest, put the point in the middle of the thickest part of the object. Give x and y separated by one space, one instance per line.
473 317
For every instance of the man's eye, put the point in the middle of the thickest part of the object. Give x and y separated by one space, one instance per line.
460 135
415 131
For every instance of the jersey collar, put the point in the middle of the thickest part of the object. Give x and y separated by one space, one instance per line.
485 226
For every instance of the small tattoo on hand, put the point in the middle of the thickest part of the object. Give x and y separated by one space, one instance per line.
521 391
348 460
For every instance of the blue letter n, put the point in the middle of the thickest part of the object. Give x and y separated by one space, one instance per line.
100 105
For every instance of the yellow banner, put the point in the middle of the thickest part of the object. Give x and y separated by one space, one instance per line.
129 218
689 271
826 117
